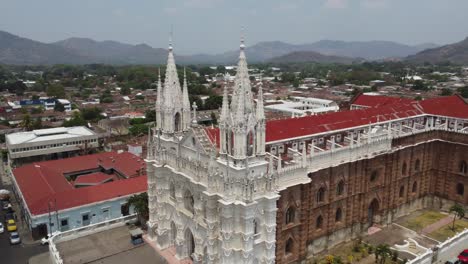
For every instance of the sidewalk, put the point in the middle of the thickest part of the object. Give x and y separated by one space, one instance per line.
437 225
43 258
23 230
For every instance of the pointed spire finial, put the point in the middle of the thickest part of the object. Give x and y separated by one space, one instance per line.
170 39
242 45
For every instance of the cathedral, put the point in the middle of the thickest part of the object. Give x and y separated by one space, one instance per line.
279 191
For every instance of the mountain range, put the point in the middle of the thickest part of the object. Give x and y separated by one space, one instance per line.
22 51
455 53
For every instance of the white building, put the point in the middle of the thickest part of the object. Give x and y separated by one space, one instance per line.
207 208
302 106
66 104
50 143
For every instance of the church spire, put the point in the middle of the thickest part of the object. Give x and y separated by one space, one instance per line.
260 110
159 100
185 103
171 107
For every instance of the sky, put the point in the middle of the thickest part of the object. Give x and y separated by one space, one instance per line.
214 26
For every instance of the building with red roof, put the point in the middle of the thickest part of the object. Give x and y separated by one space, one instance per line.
368 100
69 193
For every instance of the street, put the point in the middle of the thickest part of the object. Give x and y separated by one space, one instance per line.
12 254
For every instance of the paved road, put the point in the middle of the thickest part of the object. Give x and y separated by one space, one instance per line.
13 254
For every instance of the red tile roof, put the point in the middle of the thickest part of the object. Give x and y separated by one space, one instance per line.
451 106
44 182
378 100
93 178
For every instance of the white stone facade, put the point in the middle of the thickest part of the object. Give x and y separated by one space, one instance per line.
210 206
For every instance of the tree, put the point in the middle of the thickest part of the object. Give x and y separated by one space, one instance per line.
56 90
140 204
458 211
59 107
419 85
138 129
445 92
76 120
383 251
125 91
463 91
26 123
37 124
150 115
213 102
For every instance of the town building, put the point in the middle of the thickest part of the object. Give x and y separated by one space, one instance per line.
59 195
252 191
302 106
50 143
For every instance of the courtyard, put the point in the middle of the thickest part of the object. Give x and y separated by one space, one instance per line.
409 237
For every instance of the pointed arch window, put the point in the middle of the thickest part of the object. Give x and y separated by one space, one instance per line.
256 230
404 169
463 167
288 249
417 165
319 222
415 187
172 191
290 215
189 201
374 176
320 195
338 215
402 191
340 188
460 189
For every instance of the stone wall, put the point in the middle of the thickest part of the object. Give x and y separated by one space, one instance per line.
421 172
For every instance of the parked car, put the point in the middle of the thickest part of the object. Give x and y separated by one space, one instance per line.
9 216
11 225
2 229
14 238
463 257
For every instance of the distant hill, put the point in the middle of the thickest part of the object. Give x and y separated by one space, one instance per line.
114 52
455 53
311 56
17 50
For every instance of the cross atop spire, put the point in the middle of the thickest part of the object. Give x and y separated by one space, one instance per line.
170 39
242 45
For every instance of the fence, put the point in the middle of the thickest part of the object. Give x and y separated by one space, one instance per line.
83 231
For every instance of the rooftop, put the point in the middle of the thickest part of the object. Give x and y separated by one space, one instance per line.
48 134
112 246
41 182
450 106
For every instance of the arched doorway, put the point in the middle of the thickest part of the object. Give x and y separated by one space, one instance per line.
190 244
173 233
372 211
177 122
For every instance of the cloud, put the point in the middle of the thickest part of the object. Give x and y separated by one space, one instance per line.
170 10
374 4
118 12
336 4
201 3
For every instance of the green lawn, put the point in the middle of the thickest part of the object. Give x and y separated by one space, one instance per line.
445 232
426 218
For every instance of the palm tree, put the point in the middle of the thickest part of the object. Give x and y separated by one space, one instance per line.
140 204
382 250
26 123
458 211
